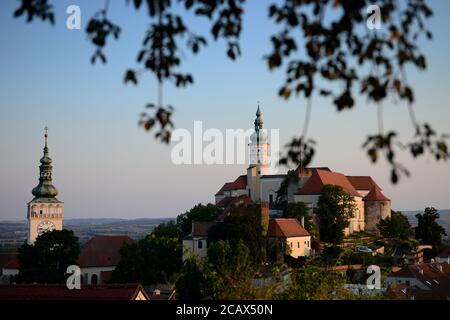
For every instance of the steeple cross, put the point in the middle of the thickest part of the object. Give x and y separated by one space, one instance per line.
46 135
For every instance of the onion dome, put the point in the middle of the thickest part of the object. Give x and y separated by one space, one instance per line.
45 188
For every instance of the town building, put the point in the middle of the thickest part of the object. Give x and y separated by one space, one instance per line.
421 281
99 257
196 243
292 233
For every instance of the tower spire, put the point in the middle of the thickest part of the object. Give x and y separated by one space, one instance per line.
45 188
46 135
258 120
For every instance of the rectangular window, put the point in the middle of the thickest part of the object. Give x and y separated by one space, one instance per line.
290 244
271 198
200 244
298 244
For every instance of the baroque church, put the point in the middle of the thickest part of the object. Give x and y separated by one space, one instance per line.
258 186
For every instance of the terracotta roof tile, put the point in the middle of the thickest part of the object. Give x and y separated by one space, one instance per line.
9 261
239 184
201 228
319 178
286 228
60 292
102 251
376 195
362 182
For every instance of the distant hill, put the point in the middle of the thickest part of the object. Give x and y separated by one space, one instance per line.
14 233
444 219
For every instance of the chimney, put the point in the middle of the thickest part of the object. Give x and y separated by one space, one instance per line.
421 271
439 266
156 292
303 222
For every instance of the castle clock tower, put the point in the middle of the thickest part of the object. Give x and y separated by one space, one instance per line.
45 212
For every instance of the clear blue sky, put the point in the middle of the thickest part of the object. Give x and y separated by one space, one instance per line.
106 166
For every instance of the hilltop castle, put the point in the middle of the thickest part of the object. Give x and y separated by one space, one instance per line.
257 191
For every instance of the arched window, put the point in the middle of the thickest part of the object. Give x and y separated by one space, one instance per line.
94 279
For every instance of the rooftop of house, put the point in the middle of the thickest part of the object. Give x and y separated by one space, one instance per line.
61 292
12 263
102 251
375 194
201 228
320 178
309 170
239 184
8 260
436 276
362 182
286 228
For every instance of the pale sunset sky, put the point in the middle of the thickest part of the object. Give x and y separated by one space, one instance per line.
107 166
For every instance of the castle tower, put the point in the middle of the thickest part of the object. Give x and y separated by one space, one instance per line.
45 212
259 157
376 207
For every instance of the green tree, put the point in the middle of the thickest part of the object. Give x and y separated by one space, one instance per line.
395 226
315 283
199 212
46 261
300 211
335 207
168 229
333 57
428 230
153 259
229 271
190 281
245 227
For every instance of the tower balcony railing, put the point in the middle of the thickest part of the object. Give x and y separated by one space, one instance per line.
46 215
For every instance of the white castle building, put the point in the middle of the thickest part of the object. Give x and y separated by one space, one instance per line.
259 186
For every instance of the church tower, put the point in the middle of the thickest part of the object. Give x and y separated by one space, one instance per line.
259 158
259 145
45 212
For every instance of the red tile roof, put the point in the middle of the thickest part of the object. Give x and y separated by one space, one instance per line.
444 253
239 184
60 292
286 228
9 260
319 178
362 182
234 201
309 170
201 228
376 195
102 251
435 276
